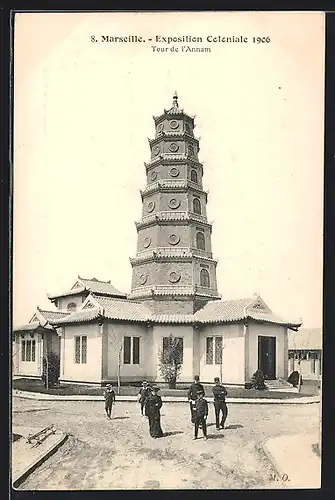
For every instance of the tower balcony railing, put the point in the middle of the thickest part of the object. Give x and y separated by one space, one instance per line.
203 253
172 251
207 291
199 217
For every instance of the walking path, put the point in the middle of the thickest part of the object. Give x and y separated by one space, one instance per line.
167 399
27 457
294 460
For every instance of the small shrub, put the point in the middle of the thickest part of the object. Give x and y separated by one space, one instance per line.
257 380
170 361
52 361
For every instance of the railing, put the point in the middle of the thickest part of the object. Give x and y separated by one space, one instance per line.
203 253
207 291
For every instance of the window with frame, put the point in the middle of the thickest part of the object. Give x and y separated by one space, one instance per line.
170 343
204 278
196 206
131 350
28 350
214 348
200 241
80 349
194 176
71 307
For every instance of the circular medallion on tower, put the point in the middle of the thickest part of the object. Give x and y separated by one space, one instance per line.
174 239
173 124
153 175
174 277
190 150
174 172
173 147
156 150
151 206
143 279
174 203
147 242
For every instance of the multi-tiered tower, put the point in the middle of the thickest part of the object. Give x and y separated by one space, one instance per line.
174 270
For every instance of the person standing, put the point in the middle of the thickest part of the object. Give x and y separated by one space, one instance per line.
153 405
143 395
192 395
109 396
220 406
200 415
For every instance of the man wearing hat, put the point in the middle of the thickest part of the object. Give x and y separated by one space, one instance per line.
220 393
109 396
192 395
143 395
200 415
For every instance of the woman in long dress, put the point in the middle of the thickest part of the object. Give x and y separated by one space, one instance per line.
153 405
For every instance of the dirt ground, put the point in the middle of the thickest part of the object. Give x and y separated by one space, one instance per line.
120 454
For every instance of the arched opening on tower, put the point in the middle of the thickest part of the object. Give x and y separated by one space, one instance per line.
194 176
200 241
196 206
204 278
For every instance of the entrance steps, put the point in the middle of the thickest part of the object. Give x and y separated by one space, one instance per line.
280 385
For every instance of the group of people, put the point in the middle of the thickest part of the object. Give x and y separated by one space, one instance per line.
151 404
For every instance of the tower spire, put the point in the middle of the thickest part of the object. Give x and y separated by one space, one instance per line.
175 100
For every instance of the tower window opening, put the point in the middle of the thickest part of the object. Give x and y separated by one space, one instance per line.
204 278
200 241
196 206
194 176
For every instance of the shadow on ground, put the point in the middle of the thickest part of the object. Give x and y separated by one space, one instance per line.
172 433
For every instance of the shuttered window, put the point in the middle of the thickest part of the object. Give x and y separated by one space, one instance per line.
131 350
80 349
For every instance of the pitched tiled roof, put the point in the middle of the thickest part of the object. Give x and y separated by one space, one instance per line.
52 314
75 291
34 325
91 285
83 316
172 318
305 338
217 311
223 310
127 310
101 287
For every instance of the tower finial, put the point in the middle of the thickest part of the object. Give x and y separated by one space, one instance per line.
175 99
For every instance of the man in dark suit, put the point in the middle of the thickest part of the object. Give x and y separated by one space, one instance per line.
200 415
220 393
192 394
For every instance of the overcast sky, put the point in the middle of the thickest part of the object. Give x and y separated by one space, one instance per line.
83 112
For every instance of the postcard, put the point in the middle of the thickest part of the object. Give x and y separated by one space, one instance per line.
167 250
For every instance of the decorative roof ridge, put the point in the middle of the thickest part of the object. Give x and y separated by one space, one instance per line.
95 280
62 313
117 299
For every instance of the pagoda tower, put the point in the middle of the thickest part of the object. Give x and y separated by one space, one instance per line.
174 270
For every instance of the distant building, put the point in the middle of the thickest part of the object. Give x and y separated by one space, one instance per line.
305 352
173 291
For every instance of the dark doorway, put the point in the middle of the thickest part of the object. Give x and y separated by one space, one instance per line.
267 356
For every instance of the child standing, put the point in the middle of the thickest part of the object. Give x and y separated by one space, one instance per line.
143 395
200 415
109 395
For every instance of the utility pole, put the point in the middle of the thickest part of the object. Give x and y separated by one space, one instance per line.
119 370
47 365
